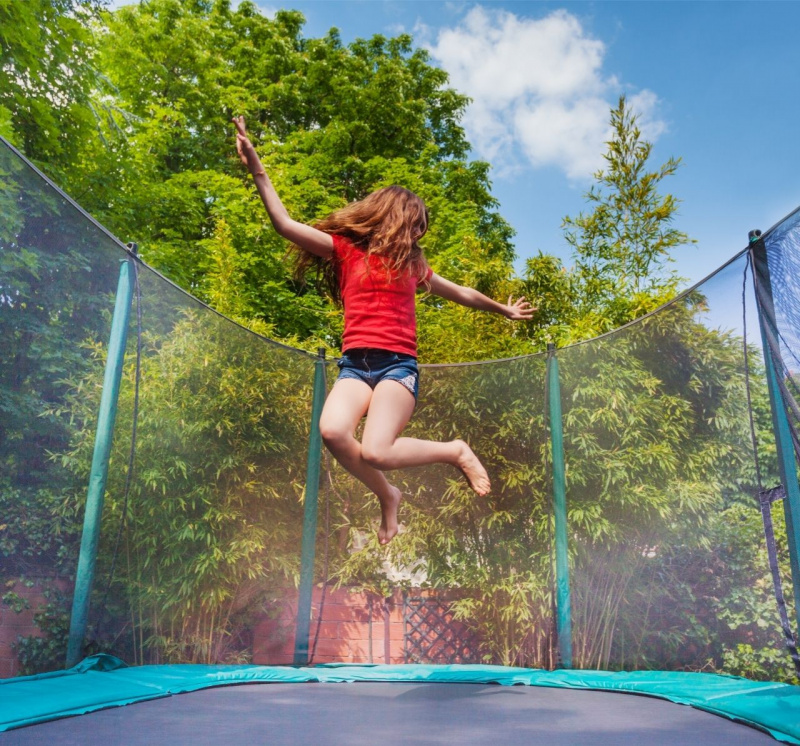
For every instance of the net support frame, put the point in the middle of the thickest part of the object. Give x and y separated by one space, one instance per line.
787 464
107 414
563 600
310 505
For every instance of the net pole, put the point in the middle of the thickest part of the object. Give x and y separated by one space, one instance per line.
309 540
563 603
84 576
780 423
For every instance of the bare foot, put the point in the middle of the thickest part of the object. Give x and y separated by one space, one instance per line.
388 528
473 470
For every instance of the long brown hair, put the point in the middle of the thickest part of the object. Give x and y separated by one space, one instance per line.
387 223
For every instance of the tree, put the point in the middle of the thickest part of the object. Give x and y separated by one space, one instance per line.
332 123
46 78
622 248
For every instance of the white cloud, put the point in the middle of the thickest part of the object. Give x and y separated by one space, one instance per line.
537 87
568 134
422 33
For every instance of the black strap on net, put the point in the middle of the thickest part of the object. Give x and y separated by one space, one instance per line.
767 496
776 345
781 374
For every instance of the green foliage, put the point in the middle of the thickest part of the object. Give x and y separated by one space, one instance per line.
57 288
14 601
47 650
762 664
331 122
46 77
657 445
622 247
726 597
214 515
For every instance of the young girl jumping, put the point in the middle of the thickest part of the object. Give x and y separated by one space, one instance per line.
369 253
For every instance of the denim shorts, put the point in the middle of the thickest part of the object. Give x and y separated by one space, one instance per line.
373 366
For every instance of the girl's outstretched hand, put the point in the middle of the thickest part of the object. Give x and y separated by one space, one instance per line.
245 149
519 310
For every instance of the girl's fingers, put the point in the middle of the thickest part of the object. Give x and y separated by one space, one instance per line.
240 126
241 143
523 310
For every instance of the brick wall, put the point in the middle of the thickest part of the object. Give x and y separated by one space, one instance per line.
355 628
15 624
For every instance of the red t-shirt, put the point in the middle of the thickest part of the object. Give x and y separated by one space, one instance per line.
379 310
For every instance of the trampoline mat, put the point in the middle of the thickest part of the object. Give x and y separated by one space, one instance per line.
395 713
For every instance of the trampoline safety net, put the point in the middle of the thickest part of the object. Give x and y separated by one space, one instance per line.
669 456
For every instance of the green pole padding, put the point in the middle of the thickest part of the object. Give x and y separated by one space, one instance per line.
84 576
780 424
310 516
563 602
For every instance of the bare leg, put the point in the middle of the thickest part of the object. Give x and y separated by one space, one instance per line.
345 406
389 411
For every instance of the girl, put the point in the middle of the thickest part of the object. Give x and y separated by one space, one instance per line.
370 256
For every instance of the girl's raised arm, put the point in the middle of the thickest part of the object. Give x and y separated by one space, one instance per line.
519 310
306 237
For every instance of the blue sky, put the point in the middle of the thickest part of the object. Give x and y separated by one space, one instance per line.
716 84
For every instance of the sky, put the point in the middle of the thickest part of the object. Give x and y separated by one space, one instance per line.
715 84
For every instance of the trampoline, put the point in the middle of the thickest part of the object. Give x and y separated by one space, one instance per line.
406 704
641 544
401 713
